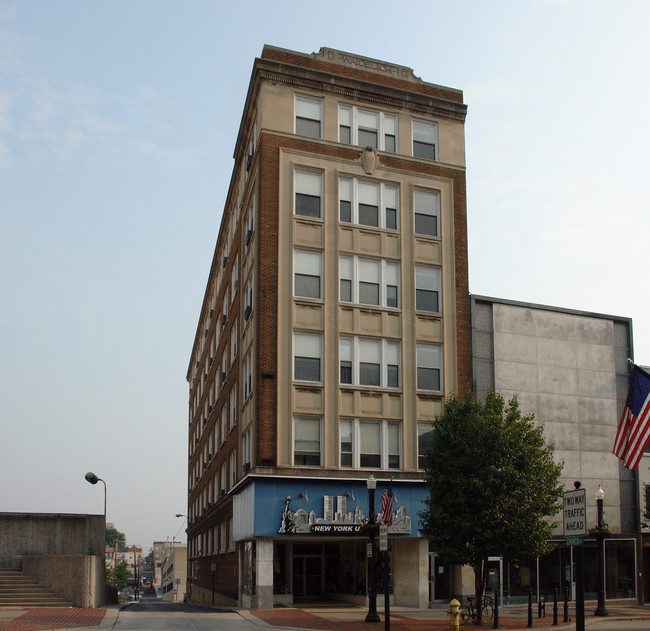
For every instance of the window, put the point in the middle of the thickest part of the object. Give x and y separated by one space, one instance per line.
425 438
234 278
232 466
248 297
309 114
224 423
308 193
307 349
249 224
233 343
425 139
369 362
246 450
306 441
427 289
368 203
247 384
367 129
370 444
233 407
368 281
307 274
429 364
426 205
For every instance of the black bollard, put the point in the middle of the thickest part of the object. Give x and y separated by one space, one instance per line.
566 603
555 622
530 608
496 608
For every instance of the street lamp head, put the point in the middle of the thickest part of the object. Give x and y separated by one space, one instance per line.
91 477
180 515
371 482
600 494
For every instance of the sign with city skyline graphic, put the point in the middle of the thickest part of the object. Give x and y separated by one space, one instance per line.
336 522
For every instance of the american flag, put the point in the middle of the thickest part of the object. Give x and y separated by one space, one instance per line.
387 505
634 427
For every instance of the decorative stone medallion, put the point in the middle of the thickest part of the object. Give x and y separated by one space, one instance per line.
369 160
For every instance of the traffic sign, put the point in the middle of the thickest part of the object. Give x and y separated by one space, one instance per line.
574 513
575 541
383 537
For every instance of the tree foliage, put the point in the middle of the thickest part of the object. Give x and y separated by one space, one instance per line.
120 575
111 534
493 483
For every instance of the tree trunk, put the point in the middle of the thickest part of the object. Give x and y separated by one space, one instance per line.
480 574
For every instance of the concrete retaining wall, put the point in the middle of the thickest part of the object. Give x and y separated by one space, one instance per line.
24 534
78 579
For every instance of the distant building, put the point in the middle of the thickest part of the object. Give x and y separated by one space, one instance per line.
173 572
157 553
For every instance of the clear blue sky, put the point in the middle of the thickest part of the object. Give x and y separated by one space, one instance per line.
117 126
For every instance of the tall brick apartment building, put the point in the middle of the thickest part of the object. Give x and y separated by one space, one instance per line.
335 320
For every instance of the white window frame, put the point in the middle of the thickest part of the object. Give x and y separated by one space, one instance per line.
385 427
350 116
354 265
232 467
423 428
232 400
308 338
249 296
428 280
419 195
306 106
249 225
304 183
388 193
425 134
429 357
247 447
234 278
295 454
308 260
247 371
234 335
352 346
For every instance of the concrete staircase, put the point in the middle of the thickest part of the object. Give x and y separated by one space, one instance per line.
18 590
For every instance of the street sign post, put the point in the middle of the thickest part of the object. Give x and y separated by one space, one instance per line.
574 516
575 513
383 537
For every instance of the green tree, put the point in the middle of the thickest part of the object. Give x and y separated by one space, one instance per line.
122 574
493 483
111 534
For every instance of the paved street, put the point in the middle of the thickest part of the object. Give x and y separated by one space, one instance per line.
153 614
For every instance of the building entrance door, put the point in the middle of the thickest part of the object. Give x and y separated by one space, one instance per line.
438 579
307 576
495 577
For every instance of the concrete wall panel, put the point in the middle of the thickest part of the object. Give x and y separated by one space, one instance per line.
508 319
556 380
558 407
556 353
515 376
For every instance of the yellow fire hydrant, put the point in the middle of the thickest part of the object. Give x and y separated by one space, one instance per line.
454 614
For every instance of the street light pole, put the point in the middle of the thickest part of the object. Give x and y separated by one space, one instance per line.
600 541
372 616
93 479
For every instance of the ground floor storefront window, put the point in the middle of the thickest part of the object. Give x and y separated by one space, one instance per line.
557 571
308 570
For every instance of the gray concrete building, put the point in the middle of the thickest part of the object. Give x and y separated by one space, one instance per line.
570 368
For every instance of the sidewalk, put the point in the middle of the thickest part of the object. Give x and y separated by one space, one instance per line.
403 619
324 618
